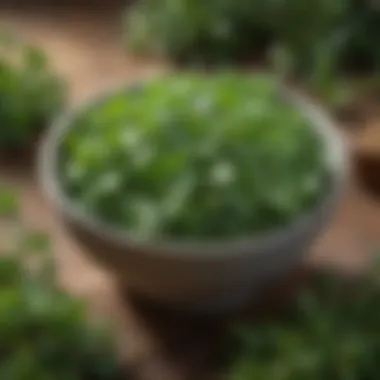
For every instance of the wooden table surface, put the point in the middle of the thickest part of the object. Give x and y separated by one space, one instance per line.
85 46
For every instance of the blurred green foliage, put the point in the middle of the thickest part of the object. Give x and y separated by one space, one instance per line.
45 333
315 39
8 201
30 93
330 333
194 157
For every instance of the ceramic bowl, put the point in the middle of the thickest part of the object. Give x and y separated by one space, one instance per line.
206 276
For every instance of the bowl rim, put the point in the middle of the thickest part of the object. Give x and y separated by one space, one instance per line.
336 146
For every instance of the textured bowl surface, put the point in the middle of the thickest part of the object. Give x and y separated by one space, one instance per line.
208 276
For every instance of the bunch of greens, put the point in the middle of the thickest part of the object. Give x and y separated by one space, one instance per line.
220 30
316 40
200 30
331 333
30 93
44 332
195 157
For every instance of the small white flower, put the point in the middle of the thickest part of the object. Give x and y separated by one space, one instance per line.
130 137
256 108
223 173
109 182
311 183
75 172
203 103
142 156
147 217
222 28
183 87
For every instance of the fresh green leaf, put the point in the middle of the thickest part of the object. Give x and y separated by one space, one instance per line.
36 241
30 94
45 333
321 337
8 201
35 59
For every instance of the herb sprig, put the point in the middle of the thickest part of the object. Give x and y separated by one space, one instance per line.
44 331
30 92
331 332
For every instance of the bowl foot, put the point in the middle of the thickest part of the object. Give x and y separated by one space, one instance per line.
227 303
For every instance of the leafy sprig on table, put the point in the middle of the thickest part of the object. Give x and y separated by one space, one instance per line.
331 332
30 92
44 332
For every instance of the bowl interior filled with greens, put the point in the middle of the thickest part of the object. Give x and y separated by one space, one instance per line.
195 158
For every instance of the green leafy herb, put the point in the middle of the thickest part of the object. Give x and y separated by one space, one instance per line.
44 331
315 40
30 93
331 333
8 202
195 157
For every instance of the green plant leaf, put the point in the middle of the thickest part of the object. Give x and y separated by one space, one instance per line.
36 241
45 333
34 58
8 201
30 94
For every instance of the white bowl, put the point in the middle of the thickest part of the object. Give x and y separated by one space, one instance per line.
210 276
